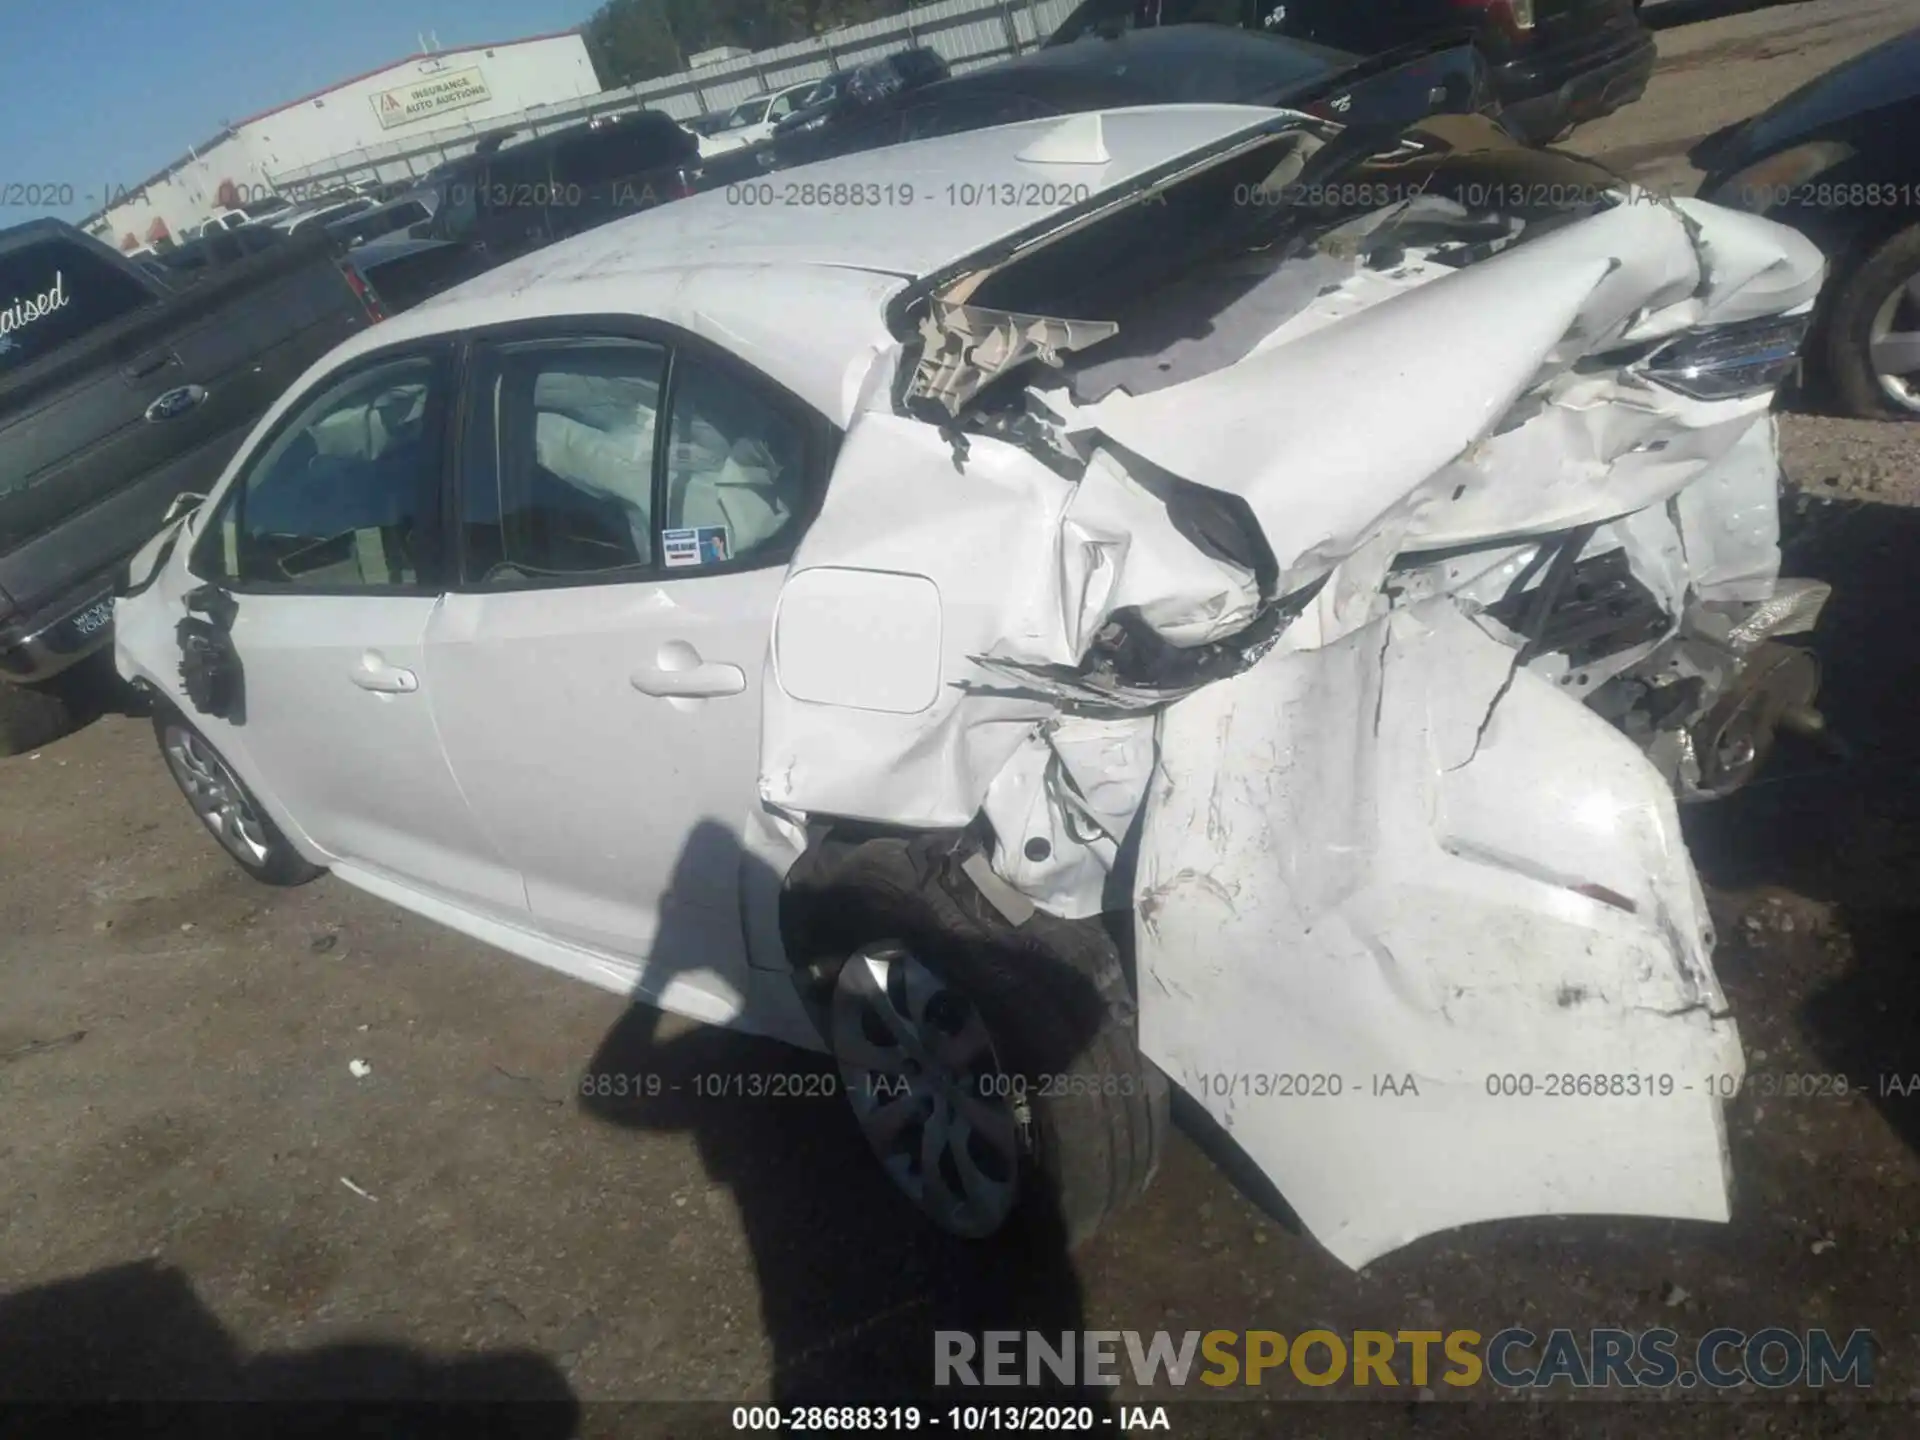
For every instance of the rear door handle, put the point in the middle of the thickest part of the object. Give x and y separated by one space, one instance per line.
376 675
678 673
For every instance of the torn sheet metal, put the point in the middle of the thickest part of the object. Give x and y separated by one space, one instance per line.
1059 543
964 348
1062 808
1362 617
1023 570
1359 943
1494 432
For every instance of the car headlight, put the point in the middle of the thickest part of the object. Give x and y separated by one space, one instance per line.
1729 362
1771 182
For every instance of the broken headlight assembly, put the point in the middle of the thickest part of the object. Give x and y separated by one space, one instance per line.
1729 362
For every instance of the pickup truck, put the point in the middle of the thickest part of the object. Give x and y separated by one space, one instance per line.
119 392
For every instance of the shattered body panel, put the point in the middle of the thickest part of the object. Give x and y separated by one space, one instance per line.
1362 922
1384 579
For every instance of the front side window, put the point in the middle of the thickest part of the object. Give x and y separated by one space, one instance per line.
345 495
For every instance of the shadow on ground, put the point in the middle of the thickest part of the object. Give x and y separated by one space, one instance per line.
138 1333
38 715
853 1283
1668 14
1847 831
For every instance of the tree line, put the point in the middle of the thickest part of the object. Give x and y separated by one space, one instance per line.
633 40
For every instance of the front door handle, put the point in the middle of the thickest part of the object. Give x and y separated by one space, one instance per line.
150 362
678 673
373 673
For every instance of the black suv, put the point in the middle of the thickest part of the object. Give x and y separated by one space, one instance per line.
514 195
1555 63
854 94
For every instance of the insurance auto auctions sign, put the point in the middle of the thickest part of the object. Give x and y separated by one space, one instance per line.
404 104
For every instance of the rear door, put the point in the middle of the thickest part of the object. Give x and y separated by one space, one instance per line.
627 509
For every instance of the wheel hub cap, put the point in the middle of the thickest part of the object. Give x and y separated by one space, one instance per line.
926 1086
216 795
1893 345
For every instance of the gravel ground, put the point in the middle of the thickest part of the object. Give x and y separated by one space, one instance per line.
1870 459
200 1197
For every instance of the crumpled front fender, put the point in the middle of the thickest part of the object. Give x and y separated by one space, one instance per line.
1421 933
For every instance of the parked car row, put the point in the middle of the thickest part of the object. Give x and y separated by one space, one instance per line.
1177 65
473 213
1555 63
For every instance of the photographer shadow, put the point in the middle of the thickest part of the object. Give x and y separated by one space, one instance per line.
853 1282
137 1337
1846 831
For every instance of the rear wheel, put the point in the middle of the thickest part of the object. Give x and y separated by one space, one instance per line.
992 1067
1873 335
226 807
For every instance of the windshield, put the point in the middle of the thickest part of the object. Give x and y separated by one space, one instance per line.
751 112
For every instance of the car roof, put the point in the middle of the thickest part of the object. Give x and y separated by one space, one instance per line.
800 289
1183 64
1164 56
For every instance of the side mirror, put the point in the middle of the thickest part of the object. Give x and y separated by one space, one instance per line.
183 504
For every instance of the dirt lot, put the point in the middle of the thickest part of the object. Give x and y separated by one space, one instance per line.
199 1198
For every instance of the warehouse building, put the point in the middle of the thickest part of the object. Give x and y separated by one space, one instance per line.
470 86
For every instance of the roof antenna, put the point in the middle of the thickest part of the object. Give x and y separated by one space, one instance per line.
1076 140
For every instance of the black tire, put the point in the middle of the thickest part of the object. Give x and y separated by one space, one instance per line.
1849 364
276 862
1053 995
31 716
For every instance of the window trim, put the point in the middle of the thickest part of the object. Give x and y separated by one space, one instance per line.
442 352
820 436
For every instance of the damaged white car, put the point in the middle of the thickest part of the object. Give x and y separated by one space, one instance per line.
1185 594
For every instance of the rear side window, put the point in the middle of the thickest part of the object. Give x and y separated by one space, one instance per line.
737 475
598 460
53 293
559 461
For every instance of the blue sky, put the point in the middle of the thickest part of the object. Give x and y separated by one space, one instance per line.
95 93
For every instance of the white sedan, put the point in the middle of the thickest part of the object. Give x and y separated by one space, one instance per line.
1055 609
752 121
